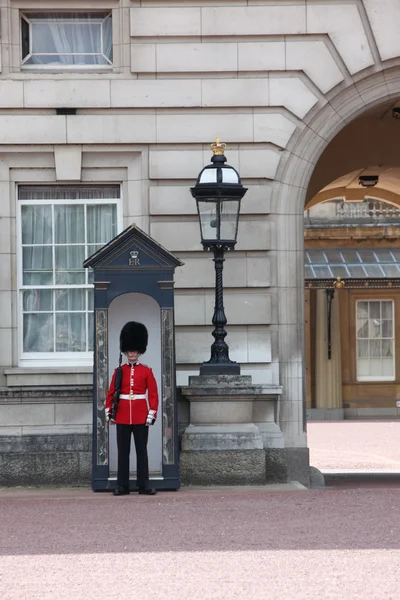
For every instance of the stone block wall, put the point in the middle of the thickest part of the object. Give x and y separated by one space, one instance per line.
45 435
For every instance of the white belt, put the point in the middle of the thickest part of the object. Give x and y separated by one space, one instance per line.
132 397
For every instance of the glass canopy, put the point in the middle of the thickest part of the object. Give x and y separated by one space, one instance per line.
351 263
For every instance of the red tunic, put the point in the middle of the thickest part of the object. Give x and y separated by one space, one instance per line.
136 380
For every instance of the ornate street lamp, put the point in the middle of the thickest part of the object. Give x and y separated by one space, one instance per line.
218 192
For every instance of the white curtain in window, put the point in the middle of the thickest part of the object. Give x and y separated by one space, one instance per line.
74 39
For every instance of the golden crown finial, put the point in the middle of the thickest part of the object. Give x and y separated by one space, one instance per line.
218 148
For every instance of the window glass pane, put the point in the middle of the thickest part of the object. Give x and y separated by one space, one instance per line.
317 256
374 270
339 271
36 222
384 255
70 332
90 299
374 310
37 300
323 272
391 270
91 331
70 299
396 254
375 330
362 310
387 348
362 328
68 268
351 256
367 256
356 271
387 329
334 256
378 349
37 266
101 223
375 366
363 368
387 367
38 333
363 349
308 272
375 348
387 310
69 224
66 38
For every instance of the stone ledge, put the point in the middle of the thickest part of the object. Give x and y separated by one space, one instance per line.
227 385
46 395
21 376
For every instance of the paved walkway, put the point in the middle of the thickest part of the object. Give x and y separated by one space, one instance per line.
201 545
354 445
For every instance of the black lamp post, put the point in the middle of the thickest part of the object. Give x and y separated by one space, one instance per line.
218 192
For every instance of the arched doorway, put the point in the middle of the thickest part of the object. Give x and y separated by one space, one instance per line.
304 171
352 302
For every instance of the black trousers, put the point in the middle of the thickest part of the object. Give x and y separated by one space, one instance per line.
140 435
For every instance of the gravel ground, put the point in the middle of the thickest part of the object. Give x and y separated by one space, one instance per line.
207 545
355 445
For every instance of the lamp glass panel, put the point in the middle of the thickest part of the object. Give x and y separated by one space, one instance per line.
208 215
229 210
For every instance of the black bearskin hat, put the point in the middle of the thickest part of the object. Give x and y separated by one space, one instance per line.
134 336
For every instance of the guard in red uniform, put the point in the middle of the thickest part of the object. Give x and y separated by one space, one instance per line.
137 408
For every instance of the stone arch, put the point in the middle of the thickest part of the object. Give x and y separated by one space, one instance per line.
325 122
292 179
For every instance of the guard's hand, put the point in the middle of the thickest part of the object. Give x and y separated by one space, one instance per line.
151 418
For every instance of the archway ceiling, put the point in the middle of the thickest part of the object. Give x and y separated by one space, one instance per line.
369 144
348 188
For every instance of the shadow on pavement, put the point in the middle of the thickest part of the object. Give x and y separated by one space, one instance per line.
195 521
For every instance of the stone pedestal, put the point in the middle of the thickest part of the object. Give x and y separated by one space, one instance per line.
222 444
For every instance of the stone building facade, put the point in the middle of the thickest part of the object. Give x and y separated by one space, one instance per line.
131 111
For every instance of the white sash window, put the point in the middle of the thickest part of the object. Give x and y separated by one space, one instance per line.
60 227
56 39
375 340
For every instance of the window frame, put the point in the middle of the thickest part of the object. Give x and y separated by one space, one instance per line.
375 378
54 359
23 15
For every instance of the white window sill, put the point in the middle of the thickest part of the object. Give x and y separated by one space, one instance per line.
69 68
29 377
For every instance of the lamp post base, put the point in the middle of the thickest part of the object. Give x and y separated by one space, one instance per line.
230 368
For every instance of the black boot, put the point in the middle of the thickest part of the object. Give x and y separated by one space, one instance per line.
120 491
147 491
